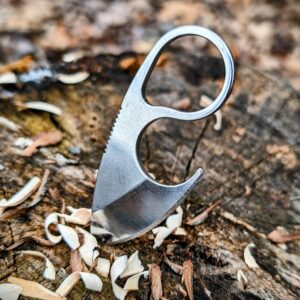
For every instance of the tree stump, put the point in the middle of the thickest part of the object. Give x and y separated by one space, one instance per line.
251 165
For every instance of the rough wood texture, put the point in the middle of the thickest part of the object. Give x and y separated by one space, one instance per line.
250 165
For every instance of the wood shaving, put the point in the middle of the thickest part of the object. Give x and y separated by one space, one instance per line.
91 282
42 140
49 272
9 291
9 124
182 290
187 277
69 235
172 222
155 278
206 101
202 216
242 278
134 266
52 219
28 189
8 78
117 268
34 290
132 283
38 105
103 266
72 56
281 235
248 257
72 78
182 104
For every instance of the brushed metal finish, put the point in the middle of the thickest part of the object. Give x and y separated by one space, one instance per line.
127 202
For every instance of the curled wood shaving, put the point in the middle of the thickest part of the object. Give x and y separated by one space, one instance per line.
52 219
9 291
89 245
155 278
49 272
34 290
187 277
28 189
281 235
76 262
172 222
242 278
117 268
72 78
248 257
8 78
206 101
175 267
91 282
72 56
202 216
80 216
38 105
9 124
103 266
42 140
134 266
132 283
69 235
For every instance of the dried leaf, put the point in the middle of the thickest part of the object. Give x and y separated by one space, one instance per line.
69 235
202 216
155 278
28 189
72 78
38 105
34 290
187 277
49 272
134 266
9 291
242 278
8 78
175 267
206 101
248 257
42 140
103 266
117 268
132 283
280 235
91 282
9 124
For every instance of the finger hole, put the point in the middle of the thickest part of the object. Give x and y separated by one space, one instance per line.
189 68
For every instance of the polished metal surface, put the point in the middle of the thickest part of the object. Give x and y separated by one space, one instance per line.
127 201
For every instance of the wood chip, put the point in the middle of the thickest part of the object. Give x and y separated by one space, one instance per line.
8 78
132 283
175 267
281 235
42 140
34 290
38 105
69 235
248 257
134 266
76 262
182 104
9 291
202 216
72 78
155 278
103 266
187 277
242 278
49 272
117 268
